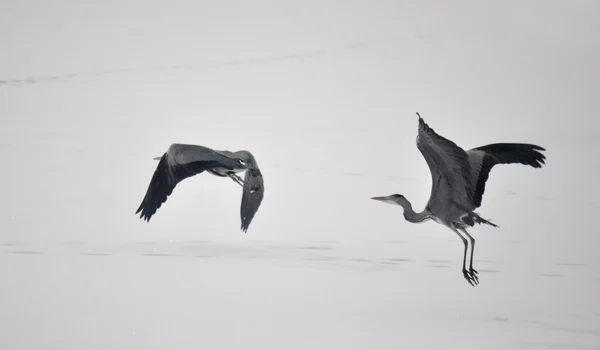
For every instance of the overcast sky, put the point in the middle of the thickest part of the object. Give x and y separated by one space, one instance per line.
324 93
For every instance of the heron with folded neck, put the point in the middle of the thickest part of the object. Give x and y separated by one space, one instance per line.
458 183
182 161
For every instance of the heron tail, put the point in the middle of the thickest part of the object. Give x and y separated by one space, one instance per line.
479 220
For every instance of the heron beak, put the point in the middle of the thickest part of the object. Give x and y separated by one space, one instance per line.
381 199
157 158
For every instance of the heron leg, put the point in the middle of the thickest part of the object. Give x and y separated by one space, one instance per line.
240 182
472 279
236 179
471 269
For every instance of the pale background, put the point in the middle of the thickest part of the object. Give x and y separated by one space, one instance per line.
324 93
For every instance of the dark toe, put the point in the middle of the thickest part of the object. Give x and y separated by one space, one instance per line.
471 278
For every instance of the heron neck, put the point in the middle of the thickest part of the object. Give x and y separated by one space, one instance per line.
412 216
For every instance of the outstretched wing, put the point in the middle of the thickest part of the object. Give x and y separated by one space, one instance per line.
178 163
484 158
251 200
449 167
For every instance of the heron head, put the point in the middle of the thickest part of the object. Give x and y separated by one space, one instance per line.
391 199
246 157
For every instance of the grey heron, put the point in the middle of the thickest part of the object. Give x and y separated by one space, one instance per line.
182 161
458 183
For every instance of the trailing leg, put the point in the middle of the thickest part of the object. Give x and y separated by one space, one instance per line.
471 278
239 181
471 269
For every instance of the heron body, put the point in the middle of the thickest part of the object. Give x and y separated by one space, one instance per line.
182 161
224 172
458 183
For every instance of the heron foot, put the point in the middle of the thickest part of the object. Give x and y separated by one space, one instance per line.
474 277
471 278
473 271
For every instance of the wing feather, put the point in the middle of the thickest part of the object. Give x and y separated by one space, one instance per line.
253 180
180 162
484 158
449 167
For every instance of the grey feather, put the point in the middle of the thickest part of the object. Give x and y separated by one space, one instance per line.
252 199
484 158
450 171
182 154
182 161
458 182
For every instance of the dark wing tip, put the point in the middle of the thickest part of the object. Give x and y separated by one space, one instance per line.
147 211
424 126
246 223
538 148
533 156
422 123
524 153
540 160
158 190
250 206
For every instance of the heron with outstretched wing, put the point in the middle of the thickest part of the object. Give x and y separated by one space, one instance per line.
182 161
458 183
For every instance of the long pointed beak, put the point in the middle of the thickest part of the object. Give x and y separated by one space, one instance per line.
380 198
157 158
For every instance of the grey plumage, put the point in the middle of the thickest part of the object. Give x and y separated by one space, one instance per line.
484 158
251 199
458 182
182 161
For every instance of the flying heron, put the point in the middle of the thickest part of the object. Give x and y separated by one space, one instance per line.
181 161
458 183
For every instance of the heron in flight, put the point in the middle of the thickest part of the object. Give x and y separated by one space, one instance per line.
181 161
458 183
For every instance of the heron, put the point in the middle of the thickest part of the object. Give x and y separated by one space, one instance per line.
182 161
458 183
